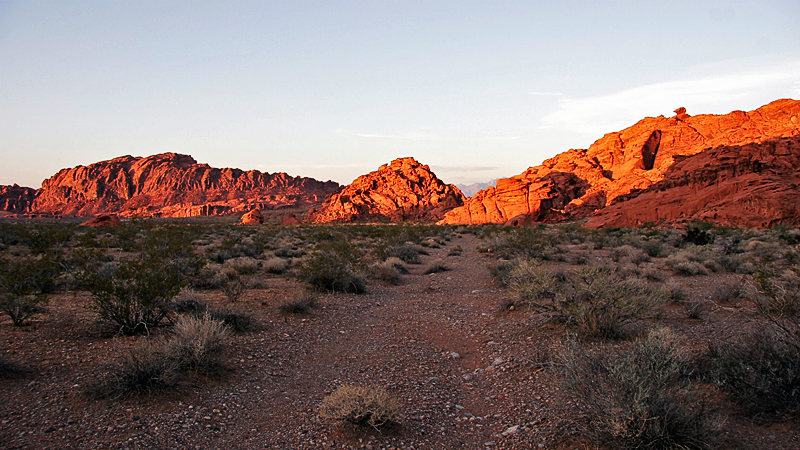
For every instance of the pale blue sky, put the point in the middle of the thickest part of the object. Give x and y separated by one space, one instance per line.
333 89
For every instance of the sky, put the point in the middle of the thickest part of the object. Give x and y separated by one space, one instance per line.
478 90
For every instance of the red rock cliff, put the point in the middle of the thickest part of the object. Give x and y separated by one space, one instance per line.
402 190
753 185
16 199
576 183
171 185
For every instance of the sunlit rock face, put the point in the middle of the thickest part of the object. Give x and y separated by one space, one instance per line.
16 199
171 185
751 185
404 190
576 183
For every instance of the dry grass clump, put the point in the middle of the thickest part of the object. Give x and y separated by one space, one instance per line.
594 301
300 304
436 266
364 406
195 347
686 263
640 397
276 265
389 270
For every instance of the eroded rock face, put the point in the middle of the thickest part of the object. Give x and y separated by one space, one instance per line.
752 185
402 190
16 199
577 182
171 185
252 217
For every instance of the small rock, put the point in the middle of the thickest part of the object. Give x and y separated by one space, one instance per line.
455 355
510 430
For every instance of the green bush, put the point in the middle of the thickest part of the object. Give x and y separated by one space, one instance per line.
333 268
641 397
23 284
136 294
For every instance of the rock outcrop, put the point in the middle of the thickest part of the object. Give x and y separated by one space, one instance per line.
252 217
404 190
103 220
16 199
576 183
171 185
753 185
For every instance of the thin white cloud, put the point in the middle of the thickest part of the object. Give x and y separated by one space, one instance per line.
545 94
426 134
716 94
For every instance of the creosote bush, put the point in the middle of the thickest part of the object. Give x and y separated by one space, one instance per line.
641 397
23 284
365 406
195 347
436 266
760 372
332 268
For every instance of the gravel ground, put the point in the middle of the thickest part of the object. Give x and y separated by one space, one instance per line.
465 372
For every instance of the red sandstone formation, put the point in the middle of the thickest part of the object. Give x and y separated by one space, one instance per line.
253 217
290 219
16 199
103 220
753 185
171 185
402 190
578 182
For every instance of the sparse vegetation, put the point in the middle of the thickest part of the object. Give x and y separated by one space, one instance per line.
641 397
300 304
365 406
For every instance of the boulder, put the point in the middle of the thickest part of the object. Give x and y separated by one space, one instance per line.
103 220
253 217
290 219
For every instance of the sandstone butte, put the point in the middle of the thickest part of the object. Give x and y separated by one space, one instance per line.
170 185
16 199
404 190
576 183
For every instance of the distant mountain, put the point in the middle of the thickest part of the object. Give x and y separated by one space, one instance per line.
576 183
404 190
168 185
471 189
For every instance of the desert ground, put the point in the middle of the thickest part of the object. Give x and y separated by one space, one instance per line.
484 351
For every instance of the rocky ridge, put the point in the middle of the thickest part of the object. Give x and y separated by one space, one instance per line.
16 199
575 183
170 185
403 190
753 185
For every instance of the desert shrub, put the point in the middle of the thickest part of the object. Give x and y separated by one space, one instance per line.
653 248
530 283
682 263
640 397
194 348
501 271
760 371
695 309
300 304
242 265
436 266
675 291
600 303
455 251
361 405
22 283
386 271
523 242
333 268
235 321
234 288
408 253
397 263
276 265
136 294
727 292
